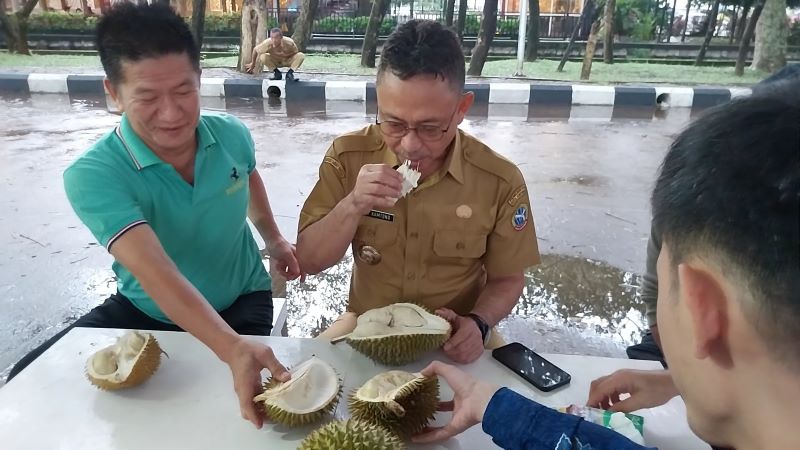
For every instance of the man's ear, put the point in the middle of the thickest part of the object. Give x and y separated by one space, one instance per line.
464 105
707 305
113 92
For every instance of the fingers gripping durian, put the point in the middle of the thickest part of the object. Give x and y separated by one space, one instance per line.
311 393
129 362
400 401
351 435
398 334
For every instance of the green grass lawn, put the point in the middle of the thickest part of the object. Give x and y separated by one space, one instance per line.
544 69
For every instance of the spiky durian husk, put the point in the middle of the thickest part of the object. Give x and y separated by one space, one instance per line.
146 365
418 398
289 419
398 350
351 434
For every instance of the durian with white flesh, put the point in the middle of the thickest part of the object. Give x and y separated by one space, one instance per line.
398 334
351 434
310 394
129 362
400 401
410 178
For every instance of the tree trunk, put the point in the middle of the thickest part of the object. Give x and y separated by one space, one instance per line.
234 6
608 25
462 19
711 26
370 48
581 19
485 38
43 5
224 5
591 45
305 24
15 27
85 8
747 37
734 21
254 29
740 27
532 49
686 22
671 21
450 5
771 35
198 21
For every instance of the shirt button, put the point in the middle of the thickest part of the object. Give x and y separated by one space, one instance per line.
460 246
414 234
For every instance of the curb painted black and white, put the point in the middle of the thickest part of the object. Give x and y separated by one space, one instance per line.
506 99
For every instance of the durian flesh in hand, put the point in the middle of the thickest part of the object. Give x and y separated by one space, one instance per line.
411 177
351 434
129 362
398 334
400 401
311 393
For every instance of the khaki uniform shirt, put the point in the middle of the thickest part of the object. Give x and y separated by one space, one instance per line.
287 49
436 245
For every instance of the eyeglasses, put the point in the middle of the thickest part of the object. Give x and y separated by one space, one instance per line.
429 133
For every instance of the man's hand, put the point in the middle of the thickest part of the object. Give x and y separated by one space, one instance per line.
377 186
246 359
465 344
647 389
249 67
470 399
284 255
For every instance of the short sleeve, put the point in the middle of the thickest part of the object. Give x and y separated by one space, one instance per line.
263 47
102 201
249 144
327 193
512 245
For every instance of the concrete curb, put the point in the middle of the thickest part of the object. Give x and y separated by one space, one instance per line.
550 95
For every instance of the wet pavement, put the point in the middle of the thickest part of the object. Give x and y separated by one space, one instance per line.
589 181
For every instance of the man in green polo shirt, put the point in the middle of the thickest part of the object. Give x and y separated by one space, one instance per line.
168 193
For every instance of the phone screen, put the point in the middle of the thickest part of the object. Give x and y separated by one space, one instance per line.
538 371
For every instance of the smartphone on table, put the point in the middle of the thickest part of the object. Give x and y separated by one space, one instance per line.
532 367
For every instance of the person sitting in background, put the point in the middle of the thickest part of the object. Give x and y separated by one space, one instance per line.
727 209
275 52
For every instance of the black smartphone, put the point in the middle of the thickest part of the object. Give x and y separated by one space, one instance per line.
538 371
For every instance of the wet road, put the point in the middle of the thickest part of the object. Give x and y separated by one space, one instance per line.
589 180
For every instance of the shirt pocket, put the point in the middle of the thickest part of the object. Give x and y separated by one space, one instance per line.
459 245
377 235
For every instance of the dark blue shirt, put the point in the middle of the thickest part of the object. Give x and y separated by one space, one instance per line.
517 423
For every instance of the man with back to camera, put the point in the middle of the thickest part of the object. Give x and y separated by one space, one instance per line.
168 193
460 241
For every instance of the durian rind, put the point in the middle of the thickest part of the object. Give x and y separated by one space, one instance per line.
399 349
293 419
351 434
147 362
418 399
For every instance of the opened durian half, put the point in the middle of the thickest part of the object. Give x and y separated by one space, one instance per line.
129 362
398 334
402 402
351 434
311 393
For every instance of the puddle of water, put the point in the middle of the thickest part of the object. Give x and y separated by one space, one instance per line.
569 305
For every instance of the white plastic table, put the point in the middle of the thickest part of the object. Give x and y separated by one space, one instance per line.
190 404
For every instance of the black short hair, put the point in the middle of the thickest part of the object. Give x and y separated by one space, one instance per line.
130 32
729 192
423 47
275 30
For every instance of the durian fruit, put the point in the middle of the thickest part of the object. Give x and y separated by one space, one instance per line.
398 334
410 178
351 434
311 393
402 402
129 362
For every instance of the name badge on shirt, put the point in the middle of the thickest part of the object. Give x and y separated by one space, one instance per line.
375 214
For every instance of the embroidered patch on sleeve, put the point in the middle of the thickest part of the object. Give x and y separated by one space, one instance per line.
520 217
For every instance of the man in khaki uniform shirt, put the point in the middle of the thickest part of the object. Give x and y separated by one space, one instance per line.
459 242
275 52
